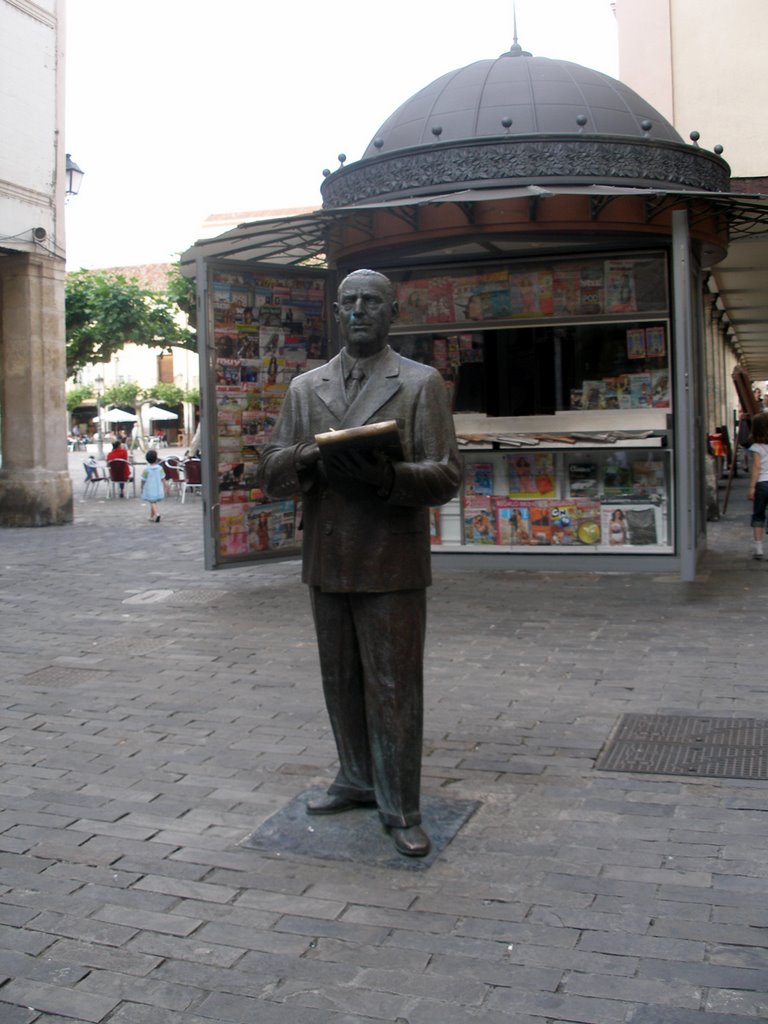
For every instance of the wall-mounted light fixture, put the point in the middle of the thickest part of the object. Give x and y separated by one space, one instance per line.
74 177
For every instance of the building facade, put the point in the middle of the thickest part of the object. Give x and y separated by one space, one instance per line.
702 66
35 488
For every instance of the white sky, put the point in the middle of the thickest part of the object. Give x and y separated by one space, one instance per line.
177 109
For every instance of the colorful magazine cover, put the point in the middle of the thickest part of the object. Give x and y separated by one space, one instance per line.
435 535
593 394
531 475
583 480
233 529
620 286
413 301
617 476
566 289
543 521
479 520
494 295
655 341
226 344
660 389
271 526
531 293
636 343
617 392
467 303
634 525
640 390
648 478
576 398
513 522
478 478
228 377
440 301
548 521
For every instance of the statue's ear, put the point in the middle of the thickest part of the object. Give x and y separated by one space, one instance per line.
395 309
336 311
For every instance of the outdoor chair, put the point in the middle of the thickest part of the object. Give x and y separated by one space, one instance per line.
120 472
94 476
172 469
191 478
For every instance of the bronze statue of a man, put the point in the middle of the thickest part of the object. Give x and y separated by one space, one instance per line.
366 554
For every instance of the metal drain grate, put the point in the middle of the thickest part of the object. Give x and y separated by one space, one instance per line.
725 748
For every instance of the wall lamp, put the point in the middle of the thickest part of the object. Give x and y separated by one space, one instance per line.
74 177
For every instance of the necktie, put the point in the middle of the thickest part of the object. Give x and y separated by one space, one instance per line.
354 383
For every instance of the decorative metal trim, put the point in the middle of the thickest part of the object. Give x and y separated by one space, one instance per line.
539 160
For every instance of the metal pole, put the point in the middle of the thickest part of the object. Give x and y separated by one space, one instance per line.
99 438
685 404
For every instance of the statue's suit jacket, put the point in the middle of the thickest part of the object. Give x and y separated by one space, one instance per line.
356 541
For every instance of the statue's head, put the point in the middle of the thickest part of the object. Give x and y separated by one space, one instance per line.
364 310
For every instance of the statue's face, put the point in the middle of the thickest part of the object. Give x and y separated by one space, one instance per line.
364 312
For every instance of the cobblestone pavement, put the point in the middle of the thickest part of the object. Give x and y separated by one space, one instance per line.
155 714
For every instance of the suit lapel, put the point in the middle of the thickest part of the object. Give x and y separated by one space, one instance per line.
379 388
330 390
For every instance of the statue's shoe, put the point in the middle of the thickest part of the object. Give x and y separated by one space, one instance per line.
332 804
412 841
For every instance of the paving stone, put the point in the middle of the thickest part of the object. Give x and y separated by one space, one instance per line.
556 1006
140 990
23 1015
51 967
668 1015
192 949
246 938
66 1002
633 990
92 955
168 924
24 940
201 891
84 929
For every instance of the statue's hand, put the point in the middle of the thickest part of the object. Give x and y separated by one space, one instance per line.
374 469
307 456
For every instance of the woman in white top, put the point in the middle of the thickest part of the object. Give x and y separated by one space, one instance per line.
758 481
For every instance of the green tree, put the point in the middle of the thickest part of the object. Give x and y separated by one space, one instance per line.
104 311
121 395
78 395
168 394
183 291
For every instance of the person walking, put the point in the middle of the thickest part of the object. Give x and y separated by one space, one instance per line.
758 481
153 486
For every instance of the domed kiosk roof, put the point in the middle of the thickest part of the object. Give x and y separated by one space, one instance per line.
522 120
519 94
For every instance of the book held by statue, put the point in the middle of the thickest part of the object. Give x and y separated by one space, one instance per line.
381 437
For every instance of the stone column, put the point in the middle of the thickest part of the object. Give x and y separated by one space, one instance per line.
35 486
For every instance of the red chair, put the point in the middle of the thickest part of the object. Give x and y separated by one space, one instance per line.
120 473
192 478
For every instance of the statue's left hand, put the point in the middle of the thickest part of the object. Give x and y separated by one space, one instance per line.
375 469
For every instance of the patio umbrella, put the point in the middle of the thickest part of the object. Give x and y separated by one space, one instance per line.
154 412
116 416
